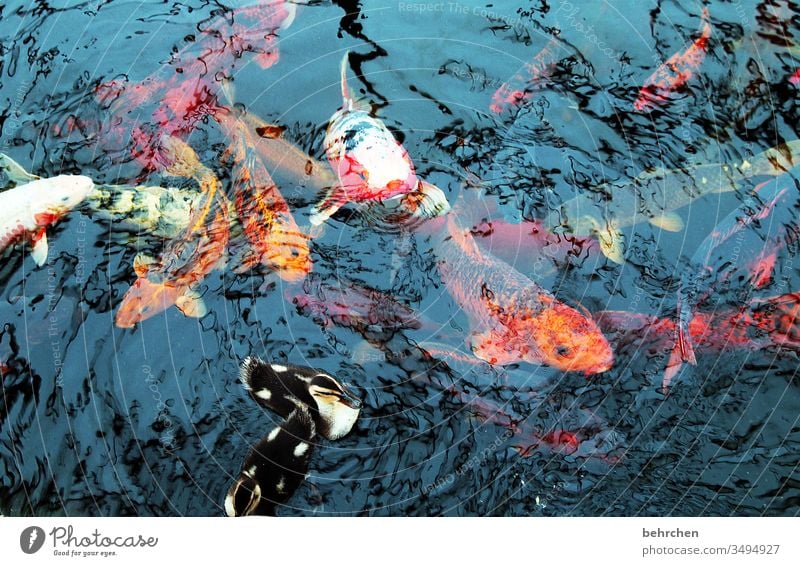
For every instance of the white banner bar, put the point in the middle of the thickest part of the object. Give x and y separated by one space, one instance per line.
260 540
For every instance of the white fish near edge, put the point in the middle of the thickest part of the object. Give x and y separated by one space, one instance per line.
28 210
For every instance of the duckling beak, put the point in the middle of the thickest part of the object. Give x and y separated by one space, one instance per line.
351 400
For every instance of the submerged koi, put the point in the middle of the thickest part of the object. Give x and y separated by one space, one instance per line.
673 74
352 305
656 196
697 284
269 225
761 323
180 96
27 210
186 260
370 164
513 319
518 90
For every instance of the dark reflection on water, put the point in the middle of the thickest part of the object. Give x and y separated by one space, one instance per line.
98 420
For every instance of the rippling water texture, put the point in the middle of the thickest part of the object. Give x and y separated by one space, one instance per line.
98 420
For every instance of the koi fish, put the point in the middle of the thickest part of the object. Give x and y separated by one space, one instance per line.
673 74
697 284
186 261
773 322
274 236
795 78
370 164
588 438
531 248
282 157
352 305
656 195
512 319
518 90
180 96
27 210
163 212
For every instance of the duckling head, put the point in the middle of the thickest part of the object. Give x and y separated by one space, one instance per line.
243 497
338 408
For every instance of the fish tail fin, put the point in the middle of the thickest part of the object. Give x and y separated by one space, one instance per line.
346 98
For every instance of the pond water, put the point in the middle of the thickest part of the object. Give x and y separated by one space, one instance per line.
152 420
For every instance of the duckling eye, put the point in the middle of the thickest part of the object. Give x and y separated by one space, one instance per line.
562 351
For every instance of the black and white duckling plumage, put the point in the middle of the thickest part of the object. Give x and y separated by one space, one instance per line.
274 468
281 388
312 402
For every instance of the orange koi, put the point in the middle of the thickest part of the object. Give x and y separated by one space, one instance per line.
673 74
762 323
519 89
269 225
188 259
511 317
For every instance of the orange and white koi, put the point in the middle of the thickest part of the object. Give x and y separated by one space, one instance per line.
269 225
512 318
673 74
27 210
187 260
370 164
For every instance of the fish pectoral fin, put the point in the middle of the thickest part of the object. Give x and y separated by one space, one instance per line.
14 171
428 201
685 346
669 221
490 347
612 242
40 247
674 365
191 304
333 201
142 263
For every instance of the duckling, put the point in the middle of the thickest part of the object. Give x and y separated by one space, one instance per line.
282 388
274 468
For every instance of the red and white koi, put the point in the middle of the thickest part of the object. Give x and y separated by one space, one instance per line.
29 209
673 74
518 90
371 165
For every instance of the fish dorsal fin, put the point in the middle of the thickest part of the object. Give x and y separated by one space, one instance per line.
15 172
348 102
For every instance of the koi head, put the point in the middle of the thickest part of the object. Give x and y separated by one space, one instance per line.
59 195
571 341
